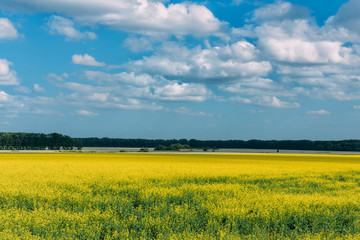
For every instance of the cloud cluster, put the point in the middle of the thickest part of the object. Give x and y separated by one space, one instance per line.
307 59
129 91
291 57
140 16
219 64
279 57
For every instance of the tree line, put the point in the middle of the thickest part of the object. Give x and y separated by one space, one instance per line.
56 141
340 145
37 141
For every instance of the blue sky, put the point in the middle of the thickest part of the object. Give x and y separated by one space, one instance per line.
232 69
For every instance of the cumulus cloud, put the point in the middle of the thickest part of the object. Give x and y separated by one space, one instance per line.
129 91
239 60
303 42
86 113
10 102
87 60
182 92
140 16
64 26
7 76
318 112
271 101
258 87
7 29
347 16
307 59
300 51
120 78
4 97
146 86
280 11
11 106
38 88
99 97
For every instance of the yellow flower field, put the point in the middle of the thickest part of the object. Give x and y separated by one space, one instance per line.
179 196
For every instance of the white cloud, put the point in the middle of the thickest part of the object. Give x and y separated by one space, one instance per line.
269 101
280 11
99 97
145 86
38 88
129 91
186 111
293 50
10 102
120 78
347 16
318 112
239 60
7 76
4 97
140 16
86 113
182 92
257 86
63 26
87 60
356 106
308 60
266 101
7 29
11 106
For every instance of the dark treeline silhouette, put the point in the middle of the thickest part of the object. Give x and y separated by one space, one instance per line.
56 141
37 141
342 145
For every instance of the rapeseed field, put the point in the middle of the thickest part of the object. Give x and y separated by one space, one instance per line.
179 196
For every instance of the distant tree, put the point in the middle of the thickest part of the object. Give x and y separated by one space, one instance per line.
161 148
79 145
144 149
172 147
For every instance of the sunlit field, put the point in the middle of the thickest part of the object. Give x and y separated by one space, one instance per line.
179 196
